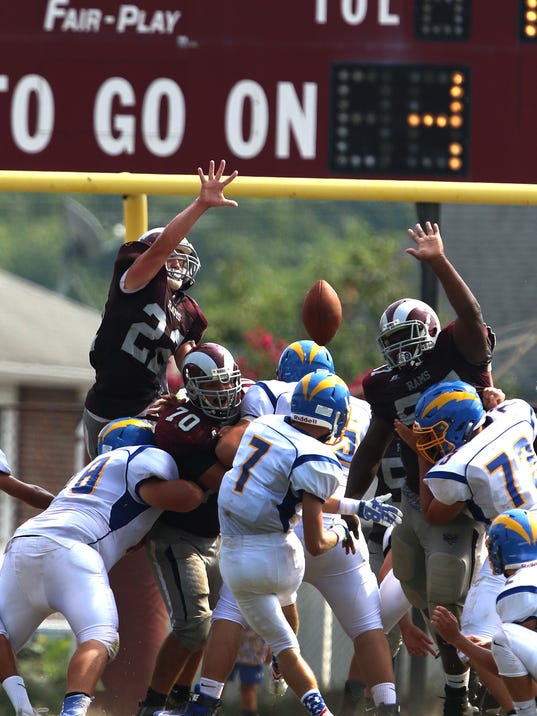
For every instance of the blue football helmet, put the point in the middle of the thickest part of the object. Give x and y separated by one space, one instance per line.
123 432
321 398
300 358
446 415
512 540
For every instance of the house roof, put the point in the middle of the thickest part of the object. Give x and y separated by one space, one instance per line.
44 337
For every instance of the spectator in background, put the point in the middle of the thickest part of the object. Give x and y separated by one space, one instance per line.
254 653
148 317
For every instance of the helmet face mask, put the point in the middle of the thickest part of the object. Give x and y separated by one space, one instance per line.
407 329
446 416
212 381
124 432
322 399
512 540
182 265
432 443
301 358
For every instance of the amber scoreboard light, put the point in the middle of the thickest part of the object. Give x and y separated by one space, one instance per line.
424 89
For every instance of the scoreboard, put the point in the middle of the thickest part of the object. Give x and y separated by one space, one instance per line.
402 89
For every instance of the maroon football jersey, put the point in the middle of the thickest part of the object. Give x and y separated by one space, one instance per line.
139 332
190 437
394 392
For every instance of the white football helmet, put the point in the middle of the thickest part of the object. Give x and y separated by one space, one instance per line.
408 327
183 263
212 381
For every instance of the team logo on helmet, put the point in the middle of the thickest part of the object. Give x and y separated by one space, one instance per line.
512 540
124 432
301 358
321 398
446 415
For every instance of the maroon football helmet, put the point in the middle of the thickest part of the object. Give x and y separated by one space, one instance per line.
408 327
212 381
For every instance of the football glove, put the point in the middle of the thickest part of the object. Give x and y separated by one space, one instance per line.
376 511
339 526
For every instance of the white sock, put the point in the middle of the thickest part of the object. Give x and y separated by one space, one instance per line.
384 693
16 690
211 688
525 708
458 681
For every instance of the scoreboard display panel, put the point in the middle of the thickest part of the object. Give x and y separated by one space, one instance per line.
402 89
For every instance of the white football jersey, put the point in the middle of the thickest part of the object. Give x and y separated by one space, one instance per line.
352 436
496 470
4 465
517 601
274 464
100 505
267 397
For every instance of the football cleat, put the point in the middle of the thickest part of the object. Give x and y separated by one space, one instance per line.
76 705
198 705
277 684
387 710
456 702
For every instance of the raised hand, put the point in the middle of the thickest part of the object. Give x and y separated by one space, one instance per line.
428 242
212 185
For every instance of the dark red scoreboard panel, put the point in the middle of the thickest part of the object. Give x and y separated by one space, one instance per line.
424 89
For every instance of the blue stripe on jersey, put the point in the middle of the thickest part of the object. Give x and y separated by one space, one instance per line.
301 459
270 395
530 588
127 508
440 475
287 507
476 512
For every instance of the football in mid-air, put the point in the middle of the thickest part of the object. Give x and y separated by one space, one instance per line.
321 312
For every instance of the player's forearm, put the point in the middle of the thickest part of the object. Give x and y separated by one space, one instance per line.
360 479
33 495
480 656
458 293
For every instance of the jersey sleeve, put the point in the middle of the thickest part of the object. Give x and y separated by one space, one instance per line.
197 321
317 474
149 462
258 400
4 465
447 487
517 601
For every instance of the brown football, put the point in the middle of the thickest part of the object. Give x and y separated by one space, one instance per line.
321 312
